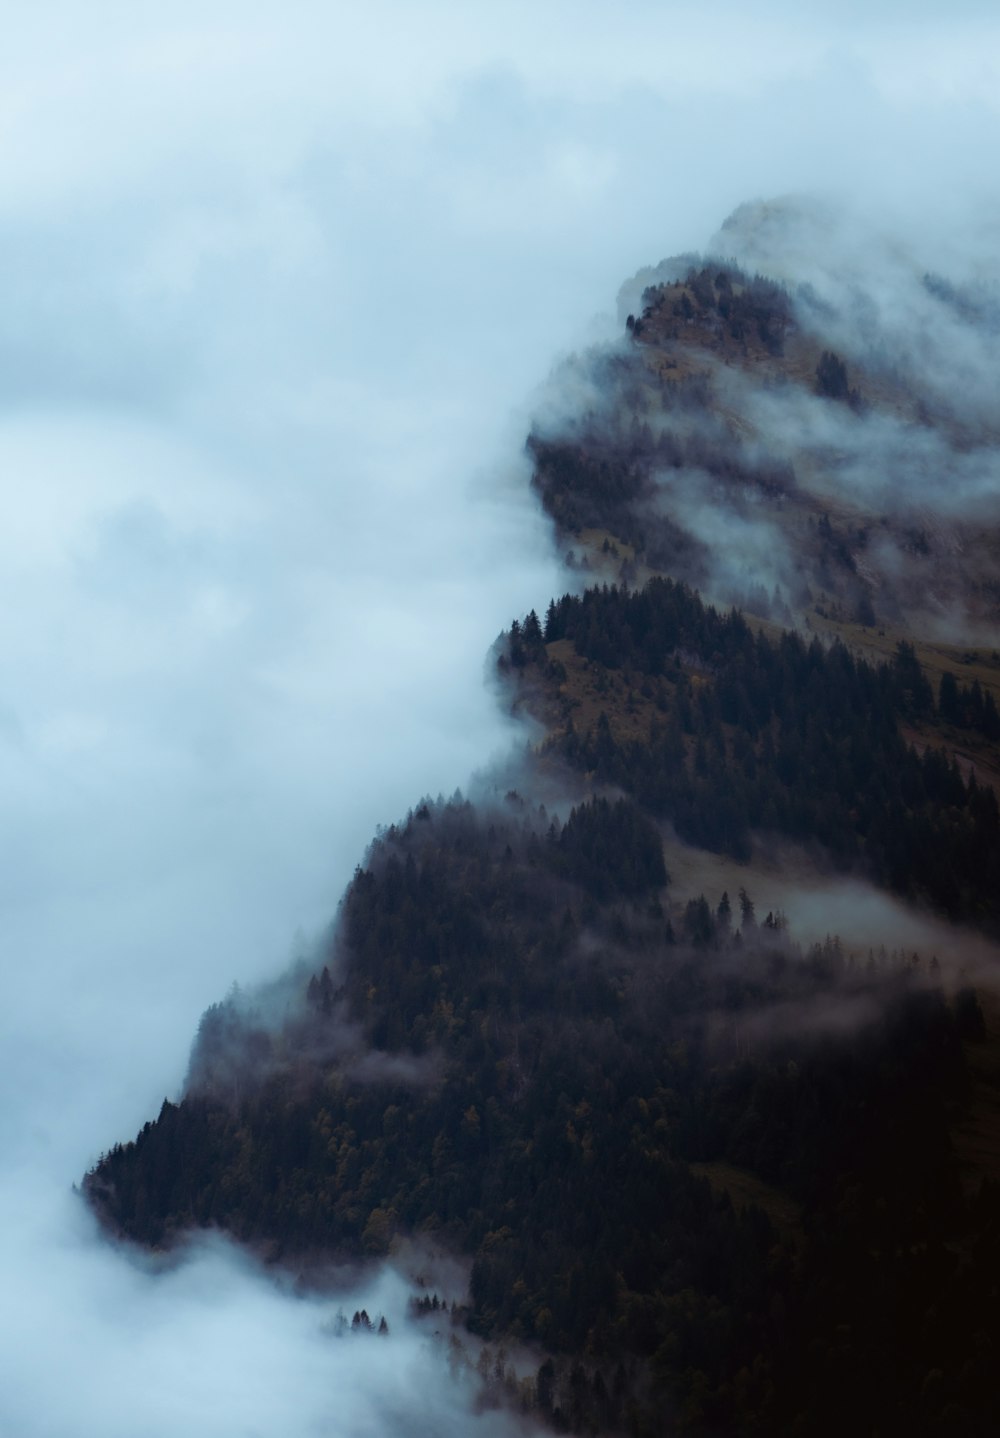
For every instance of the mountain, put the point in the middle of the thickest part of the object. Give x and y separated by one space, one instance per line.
718 1171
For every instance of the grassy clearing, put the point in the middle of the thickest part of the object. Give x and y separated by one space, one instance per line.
589 690
972 750
966 662
746 1190
771 879
595 540
605 565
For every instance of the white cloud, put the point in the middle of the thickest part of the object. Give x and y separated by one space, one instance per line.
275 284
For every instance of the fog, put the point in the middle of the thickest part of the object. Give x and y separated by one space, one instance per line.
277 285
906 466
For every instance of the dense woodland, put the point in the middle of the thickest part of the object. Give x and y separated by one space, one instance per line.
749 733
576 1046
705 1174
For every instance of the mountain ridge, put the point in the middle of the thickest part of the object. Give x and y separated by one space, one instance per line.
674 1144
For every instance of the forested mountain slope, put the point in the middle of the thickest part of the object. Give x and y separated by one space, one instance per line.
716 1179
529 1054
725 731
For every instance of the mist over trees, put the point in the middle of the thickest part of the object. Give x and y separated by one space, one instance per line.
744 733
597 1066
707 1177
781 441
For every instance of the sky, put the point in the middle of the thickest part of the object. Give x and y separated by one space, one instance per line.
277 286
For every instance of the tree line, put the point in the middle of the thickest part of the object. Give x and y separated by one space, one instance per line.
753 733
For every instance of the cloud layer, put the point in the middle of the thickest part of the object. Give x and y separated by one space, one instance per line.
277 283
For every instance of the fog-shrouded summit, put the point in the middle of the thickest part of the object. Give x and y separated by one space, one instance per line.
805 410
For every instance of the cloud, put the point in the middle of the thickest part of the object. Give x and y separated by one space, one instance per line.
277 283
208 1346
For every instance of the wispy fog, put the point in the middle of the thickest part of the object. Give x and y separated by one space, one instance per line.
276 283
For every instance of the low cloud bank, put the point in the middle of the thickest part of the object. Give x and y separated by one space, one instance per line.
111 1345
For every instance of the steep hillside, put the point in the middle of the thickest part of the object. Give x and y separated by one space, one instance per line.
727 732
711 1175
733 441
674 1145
